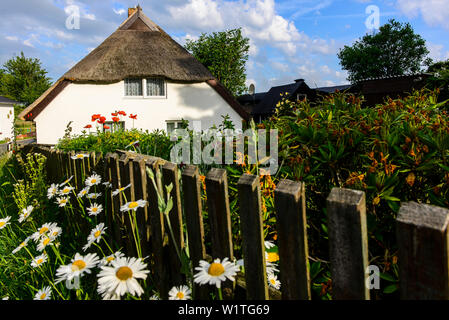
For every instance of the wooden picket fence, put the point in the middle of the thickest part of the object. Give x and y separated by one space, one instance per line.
421 229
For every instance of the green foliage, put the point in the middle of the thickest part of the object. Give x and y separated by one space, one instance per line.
23 79
224 54
395 50
397 151
440 78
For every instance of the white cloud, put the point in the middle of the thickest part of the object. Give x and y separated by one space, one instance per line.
119 12
436 51
434 12
28 43
198 13
12 38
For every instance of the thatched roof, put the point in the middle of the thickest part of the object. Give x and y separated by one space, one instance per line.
138 48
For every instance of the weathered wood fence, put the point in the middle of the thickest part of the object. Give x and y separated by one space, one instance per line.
422 230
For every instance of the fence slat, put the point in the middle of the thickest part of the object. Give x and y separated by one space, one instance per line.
253 248
125 179
117 220
157 232
289 199
193 210
140 193
170 176
348 243
422 237
220 220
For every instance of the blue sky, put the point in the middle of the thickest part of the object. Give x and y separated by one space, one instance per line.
290 39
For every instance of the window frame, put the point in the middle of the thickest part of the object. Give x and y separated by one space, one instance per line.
144 89
176 123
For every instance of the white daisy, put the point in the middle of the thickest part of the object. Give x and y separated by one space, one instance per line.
80 156
179 293
269 244
273 281
79 266
67 181
44 242
108 260
4 222
95 235
62 202
116 192
121 277
5 298
107 184
215 272
65 191
43 294
93 180
95 209
22 245
54 231
42 231
52 191
93 195
155 297
134 205
83 192
25 213
39 260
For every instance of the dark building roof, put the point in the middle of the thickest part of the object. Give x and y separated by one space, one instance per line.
334 88
4 100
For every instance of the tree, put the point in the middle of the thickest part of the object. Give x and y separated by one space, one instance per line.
23 79
224 54
393 51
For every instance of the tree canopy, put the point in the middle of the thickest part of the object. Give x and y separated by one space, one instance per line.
23 79
225 55
394 50
439 78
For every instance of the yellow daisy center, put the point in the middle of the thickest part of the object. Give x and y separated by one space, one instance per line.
66 190
2 223
23 244
43 230
78 265
109 259
124 273
39 261
273 282
43 296
133 205
94 209
121 189
63 201
46 241
80 156
180 295
55 233
216 269
93 180
273 257
97 234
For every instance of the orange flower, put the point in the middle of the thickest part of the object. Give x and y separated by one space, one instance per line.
116 119
376 200
122 113
106 127
133 116
88 126
410 179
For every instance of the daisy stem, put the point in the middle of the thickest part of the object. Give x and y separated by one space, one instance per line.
57 254
104 240
220 294
173 237
100 249
134 235
52 284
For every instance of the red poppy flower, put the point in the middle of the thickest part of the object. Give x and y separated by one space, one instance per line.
106 127
102 120
123 113
88 126
133 116
95 117
115 114
116 119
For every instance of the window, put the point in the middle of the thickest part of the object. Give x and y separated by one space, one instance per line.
114 126
301 96
145 88
155 87
133 87
173 124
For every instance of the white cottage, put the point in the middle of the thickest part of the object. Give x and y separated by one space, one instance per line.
6 118
142 71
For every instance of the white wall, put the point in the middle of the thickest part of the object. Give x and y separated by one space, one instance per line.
6 121
78 102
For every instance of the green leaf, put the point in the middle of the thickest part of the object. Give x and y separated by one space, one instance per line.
391 288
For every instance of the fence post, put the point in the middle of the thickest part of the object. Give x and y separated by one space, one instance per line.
348 244
116 217
289 199
251 226
220 220
157 232
422 237
170 176
193 211
125 179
